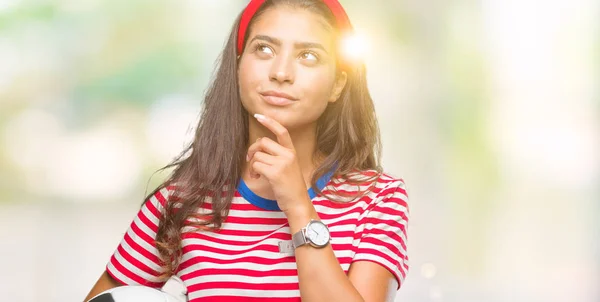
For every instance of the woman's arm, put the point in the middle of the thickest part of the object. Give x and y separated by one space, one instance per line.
373 281
136 259
321 277
105 282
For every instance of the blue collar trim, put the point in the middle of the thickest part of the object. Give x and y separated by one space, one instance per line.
271 205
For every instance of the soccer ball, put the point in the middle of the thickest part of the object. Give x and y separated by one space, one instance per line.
133 293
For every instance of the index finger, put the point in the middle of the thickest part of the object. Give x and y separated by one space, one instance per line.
282 134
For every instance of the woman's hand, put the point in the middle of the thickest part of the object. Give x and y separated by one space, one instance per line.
277 161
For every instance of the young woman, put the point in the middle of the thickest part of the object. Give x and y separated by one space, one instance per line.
280 196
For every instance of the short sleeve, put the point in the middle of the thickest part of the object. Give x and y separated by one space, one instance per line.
136 259
383 238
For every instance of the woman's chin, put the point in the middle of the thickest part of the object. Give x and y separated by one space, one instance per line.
289 120
282 116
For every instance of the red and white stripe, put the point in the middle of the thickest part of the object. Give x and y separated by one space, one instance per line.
241 262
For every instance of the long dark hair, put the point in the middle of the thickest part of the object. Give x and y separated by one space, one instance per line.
211 166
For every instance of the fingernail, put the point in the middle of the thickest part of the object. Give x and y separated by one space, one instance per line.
259 117
247 157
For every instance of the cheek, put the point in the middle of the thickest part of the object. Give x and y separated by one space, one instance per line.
317 90
252 72
248 80
245 76
318 86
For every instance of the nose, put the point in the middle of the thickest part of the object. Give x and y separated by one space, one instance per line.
282 70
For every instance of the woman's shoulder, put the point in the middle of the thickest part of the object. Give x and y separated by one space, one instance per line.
379 178
389 190
367 185
163 194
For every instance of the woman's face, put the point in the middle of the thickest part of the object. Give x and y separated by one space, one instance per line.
288 68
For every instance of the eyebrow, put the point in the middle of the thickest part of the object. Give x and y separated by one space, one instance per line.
297 45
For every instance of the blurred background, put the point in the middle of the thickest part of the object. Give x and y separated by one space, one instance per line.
490 110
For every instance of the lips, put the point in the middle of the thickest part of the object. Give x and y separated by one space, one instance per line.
277 98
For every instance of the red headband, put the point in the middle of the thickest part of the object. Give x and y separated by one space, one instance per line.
334 5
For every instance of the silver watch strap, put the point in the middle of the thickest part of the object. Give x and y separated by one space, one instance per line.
286 247
289 246
299 239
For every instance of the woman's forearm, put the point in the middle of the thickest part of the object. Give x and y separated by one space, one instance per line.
320 275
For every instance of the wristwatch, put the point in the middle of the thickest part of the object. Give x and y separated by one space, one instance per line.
315 233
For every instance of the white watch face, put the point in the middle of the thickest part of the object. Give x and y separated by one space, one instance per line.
318 233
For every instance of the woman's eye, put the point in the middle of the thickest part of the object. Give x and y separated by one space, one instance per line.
264 49
309 56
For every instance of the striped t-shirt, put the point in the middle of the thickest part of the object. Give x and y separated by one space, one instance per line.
242 262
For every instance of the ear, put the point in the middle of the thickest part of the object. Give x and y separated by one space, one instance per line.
338 87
